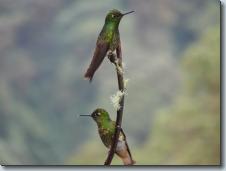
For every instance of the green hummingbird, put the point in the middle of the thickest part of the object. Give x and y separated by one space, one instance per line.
108 40
106 130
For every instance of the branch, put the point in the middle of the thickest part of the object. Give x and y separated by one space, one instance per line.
119 70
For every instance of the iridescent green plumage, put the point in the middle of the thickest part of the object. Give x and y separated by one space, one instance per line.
106 130
106 127
108 39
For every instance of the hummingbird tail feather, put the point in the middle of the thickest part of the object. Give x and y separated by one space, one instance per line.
128 161
124 154
97 59
89 75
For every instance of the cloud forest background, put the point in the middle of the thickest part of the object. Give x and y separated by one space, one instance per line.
172 54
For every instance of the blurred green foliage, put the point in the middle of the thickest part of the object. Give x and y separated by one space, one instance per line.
187 132
172 107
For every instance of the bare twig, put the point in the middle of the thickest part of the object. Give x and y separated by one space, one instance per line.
117 61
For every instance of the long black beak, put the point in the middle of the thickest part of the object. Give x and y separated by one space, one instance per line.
86 115
128 13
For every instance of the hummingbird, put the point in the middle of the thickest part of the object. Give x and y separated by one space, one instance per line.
106 130
108 41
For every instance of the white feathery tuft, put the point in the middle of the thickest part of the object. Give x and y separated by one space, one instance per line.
116 98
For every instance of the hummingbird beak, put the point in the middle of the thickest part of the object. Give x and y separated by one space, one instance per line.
86 115
128 13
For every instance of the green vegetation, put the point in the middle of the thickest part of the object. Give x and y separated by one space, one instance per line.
172 106
187 132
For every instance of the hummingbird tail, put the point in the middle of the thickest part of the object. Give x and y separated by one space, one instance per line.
89 75
128 161
124 154
95 63
98 57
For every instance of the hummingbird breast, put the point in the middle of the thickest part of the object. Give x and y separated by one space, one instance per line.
115 41
106 136
110 34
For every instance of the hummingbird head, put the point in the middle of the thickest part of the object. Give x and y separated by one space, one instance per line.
115 16
99 116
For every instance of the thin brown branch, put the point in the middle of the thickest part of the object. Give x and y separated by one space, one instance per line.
118 66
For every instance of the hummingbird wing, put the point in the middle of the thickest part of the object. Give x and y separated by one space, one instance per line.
118 49
99 54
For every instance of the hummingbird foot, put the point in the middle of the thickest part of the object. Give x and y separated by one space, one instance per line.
112 57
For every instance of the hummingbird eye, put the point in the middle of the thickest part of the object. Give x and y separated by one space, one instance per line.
113 16
98 114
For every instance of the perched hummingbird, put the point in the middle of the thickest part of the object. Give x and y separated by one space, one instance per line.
108 40
106 129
